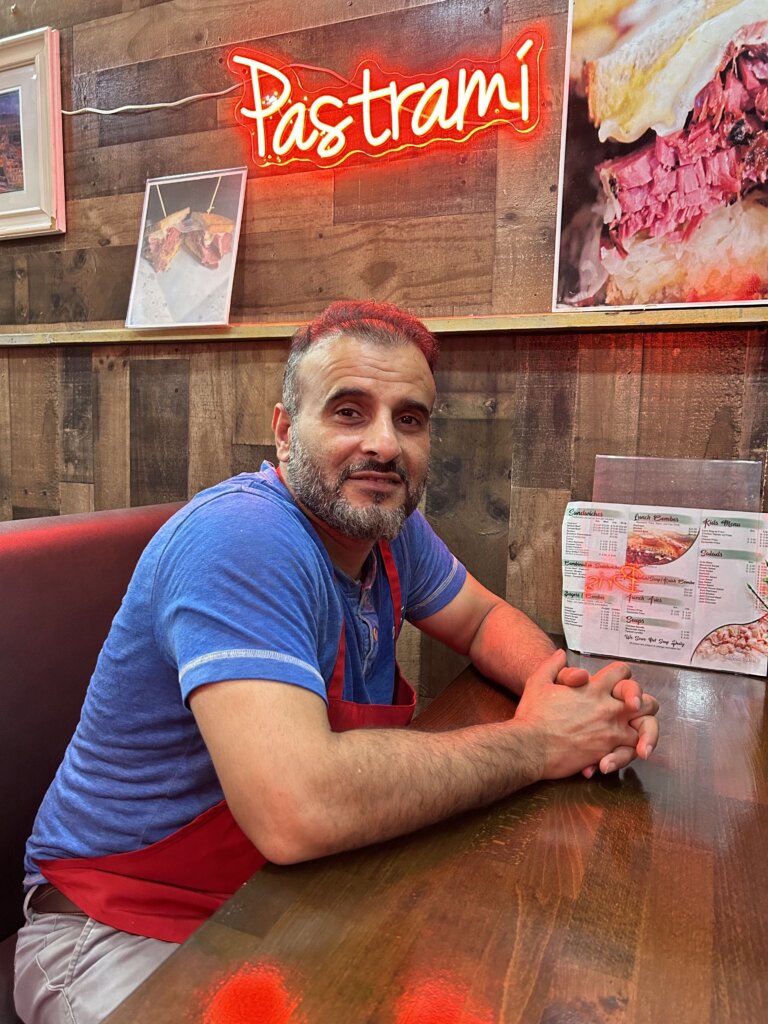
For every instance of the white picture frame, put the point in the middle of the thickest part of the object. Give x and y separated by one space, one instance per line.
185 259
31 148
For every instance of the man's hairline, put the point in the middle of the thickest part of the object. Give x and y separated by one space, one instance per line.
387 341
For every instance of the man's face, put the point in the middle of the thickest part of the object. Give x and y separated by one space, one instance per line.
359 447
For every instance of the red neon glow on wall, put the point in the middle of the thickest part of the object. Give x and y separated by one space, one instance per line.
297 113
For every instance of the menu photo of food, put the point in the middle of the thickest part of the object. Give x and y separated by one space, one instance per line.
664 167
651 543
735 645
185 260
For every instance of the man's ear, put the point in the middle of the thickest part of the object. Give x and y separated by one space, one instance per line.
281 426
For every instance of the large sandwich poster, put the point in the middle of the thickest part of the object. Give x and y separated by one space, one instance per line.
664 167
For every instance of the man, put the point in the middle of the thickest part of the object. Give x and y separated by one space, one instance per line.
246 703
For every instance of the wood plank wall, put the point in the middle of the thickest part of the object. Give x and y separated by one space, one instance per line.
518 423
521 416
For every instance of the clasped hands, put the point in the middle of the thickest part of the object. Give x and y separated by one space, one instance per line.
635 721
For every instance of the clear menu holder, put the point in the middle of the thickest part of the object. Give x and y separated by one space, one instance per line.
728 485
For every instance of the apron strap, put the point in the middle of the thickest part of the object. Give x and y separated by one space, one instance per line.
336 683
393 579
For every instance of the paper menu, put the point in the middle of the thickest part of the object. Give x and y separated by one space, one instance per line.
677 585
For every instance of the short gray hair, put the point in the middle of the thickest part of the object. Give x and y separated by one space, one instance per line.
378 322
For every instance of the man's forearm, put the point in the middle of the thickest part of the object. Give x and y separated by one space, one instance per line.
373 784
509 646
299 790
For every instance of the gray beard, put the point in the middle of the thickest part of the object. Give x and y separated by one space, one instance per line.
326 501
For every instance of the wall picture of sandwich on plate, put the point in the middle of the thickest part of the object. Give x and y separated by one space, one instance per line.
664 164
185 259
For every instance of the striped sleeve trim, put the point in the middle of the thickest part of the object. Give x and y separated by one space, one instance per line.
414 611
250 654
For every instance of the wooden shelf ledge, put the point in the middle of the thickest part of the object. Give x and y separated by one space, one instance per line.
559 322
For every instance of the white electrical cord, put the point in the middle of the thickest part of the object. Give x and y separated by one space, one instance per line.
152 106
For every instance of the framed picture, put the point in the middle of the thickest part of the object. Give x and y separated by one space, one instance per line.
664 169
185 259
31 157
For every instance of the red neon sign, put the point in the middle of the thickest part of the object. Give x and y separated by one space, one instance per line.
378 112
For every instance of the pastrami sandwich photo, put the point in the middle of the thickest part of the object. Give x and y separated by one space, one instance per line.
208 236
185 262
664 196
163 240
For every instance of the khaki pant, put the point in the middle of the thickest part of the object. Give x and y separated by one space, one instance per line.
70 969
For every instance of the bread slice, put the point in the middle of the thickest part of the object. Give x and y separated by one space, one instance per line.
591 12
651 78
211 223
208 236
172 220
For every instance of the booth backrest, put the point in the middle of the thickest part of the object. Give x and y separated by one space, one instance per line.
62 579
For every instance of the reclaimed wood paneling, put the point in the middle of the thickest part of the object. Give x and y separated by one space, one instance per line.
58 13
20 277
754 433
527 174
545 400
211 405
247 458
695 384
35 435
366 263
111 428
76 411
166 28
159 430
607 404
258 371
6 470
427 185
532 578
125 167
77 498
78 285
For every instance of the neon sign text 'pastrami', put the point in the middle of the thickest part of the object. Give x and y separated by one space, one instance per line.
292 117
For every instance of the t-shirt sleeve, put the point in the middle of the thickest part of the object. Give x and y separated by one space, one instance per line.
434 574
238 594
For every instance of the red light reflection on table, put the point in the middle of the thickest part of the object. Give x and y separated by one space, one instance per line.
256 994
438 1001
627 578
378 112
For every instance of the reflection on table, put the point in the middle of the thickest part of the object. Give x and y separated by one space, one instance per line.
638 897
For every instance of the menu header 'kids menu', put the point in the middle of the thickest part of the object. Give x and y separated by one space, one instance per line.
681 585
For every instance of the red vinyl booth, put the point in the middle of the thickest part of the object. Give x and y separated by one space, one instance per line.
62 579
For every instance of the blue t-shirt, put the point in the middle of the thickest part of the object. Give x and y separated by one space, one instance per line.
236 585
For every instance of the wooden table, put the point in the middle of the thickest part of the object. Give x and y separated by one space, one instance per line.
641 897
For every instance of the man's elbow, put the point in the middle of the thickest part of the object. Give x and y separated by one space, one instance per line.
287 834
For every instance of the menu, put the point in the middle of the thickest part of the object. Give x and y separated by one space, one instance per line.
679 585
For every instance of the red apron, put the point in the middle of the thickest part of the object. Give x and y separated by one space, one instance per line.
166 890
